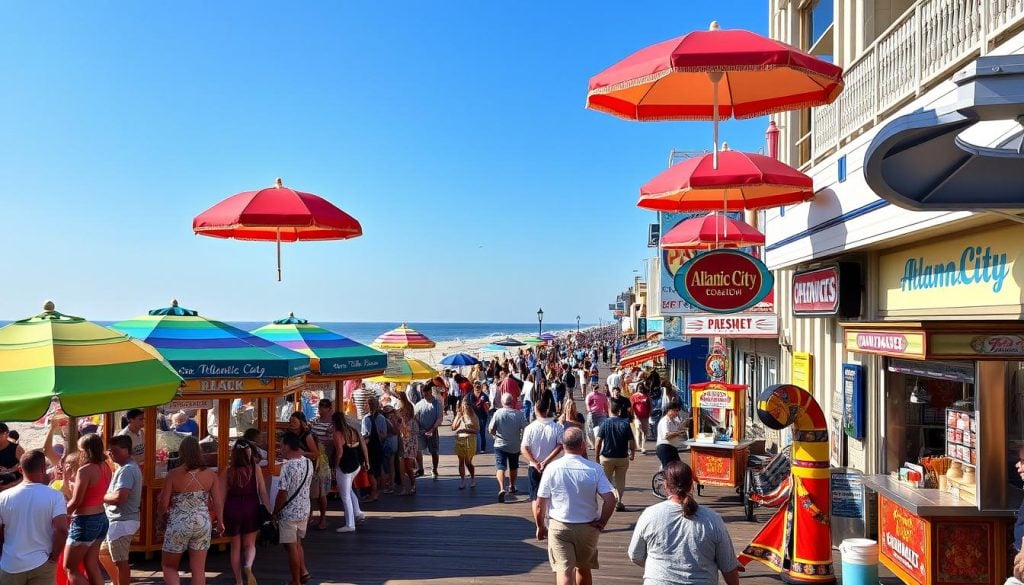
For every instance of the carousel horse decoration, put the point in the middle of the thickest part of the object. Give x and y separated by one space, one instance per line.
797 540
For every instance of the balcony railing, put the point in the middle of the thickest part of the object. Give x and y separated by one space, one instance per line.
926 45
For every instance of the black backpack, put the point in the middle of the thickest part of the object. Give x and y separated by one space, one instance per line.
570 380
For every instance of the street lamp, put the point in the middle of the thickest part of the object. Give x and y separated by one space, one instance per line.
577 323
540 321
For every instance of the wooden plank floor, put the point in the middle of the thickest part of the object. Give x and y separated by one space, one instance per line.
444 535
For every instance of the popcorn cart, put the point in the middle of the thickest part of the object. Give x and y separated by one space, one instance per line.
718 449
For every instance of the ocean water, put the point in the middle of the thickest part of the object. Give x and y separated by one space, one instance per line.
366 332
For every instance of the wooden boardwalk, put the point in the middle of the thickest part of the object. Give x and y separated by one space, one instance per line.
444 535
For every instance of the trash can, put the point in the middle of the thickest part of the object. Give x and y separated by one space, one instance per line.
860 561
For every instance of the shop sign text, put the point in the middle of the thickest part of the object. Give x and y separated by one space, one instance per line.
712 469
748 325
715 399
886 342
1012 345
723 281
816 292
974 266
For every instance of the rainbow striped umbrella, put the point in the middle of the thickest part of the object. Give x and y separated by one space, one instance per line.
403 337
203 348
330 353
89 368
407 370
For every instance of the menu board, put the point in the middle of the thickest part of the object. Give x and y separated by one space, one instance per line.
848 508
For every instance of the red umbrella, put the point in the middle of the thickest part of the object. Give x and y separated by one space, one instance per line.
714 230
741 181
679 79
276 214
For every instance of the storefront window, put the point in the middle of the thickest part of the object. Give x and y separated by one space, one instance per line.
1015 421
916 399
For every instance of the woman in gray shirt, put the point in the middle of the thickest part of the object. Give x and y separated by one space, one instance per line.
677 541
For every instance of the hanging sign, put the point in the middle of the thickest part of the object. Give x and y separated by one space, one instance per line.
711 398
746 325
723 281
833 290
891 343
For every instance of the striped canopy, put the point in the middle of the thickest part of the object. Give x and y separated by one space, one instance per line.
330 353
203 348
407 370
403 337
89 368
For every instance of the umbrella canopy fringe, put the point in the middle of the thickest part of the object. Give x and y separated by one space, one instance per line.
659 75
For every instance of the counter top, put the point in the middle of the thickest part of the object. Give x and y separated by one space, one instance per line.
707 445
924 502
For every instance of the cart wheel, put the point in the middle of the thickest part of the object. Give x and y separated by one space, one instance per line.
748 504
658 485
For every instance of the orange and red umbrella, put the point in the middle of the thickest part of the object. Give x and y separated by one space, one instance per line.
711 75
715 230
276 214
741 181
403 337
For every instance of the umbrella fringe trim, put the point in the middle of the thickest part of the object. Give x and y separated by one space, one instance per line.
738 186
653 77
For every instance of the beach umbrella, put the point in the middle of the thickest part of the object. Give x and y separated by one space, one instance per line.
276 214
711 75
330 353
198 347
741 181
715 230
90 369
459 359
403 337
509 342
548 336
532 340
405 371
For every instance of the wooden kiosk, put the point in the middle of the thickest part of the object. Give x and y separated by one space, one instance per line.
718 449
220 364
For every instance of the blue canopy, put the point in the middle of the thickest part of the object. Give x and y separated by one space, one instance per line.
459 359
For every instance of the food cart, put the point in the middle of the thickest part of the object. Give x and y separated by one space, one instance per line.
221 364
718 448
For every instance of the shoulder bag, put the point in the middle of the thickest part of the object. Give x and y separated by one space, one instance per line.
269 531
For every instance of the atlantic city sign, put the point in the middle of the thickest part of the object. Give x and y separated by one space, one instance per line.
723 281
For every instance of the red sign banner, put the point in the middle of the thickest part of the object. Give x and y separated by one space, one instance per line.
723 281
816 292
901 539
712 469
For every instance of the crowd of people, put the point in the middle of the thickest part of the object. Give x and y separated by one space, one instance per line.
548 408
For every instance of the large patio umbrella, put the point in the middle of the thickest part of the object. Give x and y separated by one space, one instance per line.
276 214
711 75
532 340
203 348
405 371
741 181
459 359
330 353
89 368
715 230
548 336
403 337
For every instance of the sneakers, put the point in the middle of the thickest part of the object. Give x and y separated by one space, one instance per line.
345 529
620 507
501 497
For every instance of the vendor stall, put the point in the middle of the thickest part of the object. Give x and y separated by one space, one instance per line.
719 449
227 371
333 359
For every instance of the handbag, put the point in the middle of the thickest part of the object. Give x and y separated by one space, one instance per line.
362 480
269 532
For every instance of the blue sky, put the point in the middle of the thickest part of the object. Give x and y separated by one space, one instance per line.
454 131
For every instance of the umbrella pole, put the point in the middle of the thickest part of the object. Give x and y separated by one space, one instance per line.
278 254
715 76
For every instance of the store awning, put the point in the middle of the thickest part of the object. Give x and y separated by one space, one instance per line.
652 351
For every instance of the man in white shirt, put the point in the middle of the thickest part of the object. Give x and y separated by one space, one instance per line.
541 443
568 493
34 520
136 419
615 379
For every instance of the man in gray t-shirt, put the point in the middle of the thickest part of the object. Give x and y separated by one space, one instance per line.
428 415
122 502
507 426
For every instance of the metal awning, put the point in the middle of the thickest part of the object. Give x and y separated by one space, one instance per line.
925 161
652 351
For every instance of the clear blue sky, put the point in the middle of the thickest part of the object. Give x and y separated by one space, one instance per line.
453 130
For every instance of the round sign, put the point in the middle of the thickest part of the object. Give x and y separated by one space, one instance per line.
723 281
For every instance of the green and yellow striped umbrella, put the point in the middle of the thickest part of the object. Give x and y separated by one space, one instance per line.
406 370
88 367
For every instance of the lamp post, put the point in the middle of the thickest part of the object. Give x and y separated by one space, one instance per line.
577 323
540 322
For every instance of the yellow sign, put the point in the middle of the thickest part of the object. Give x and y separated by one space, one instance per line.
895 343
968 275
803 370
715 396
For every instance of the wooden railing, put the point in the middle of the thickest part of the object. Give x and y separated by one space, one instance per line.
924 46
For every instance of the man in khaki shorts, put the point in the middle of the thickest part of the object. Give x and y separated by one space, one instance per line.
566 511
122 502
